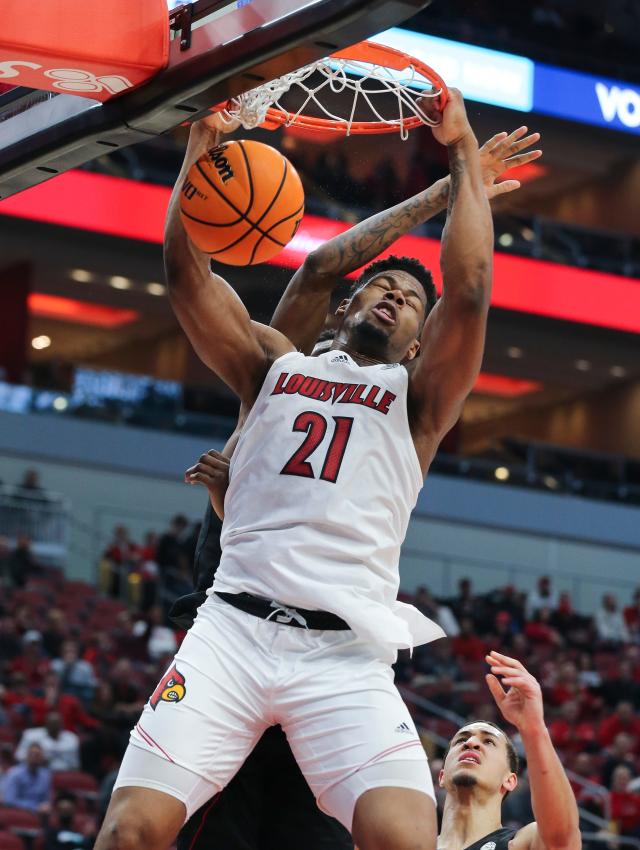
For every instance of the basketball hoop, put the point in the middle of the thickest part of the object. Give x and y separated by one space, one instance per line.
379 81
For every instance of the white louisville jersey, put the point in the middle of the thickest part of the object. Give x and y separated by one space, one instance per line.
322 484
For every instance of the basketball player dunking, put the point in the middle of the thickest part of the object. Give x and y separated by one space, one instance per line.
302 623
481 767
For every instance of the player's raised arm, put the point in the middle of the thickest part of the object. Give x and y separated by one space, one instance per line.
452 341
554 805
305 303
211 313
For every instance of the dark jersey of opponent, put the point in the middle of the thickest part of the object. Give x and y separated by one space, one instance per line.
268 804
497 840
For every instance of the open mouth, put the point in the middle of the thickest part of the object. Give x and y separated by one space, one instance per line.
469 758
385 312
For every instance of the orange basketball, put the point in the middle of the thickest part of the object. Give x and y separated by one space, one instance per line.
242 202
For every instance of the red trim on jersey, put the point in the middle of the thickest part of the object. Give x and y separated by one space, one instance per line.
396 748
152 742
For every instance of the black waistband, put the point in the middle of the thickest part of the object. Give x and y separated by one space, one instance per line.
299 618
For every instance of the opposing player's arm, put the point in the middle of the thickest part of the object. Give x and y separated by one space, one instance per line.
302 310
452 341
554 805
210 311
212 468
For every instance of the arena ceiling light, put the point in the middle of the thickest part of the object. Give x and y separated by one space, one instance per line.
40 342
156 288
81 275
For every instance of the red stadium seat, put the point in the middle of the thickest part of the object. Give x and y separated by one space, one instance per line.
19 821
7 735
82 784
9 841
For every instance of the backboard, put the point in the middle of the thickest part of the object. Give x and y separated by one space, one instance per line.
218 49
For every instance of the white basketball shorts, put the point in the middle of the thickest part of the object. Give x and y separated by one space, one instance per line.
235 675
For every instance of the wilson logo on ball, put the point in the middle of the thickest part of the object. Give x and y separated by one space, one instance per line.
242 202
190 191
221 163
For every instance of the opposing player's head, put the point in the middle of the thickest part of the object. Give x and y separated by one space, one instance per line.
481 757
324 342
386 310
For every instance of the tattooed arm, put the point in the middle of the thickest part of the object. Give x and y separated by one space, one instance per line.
302 310
452 342
305 303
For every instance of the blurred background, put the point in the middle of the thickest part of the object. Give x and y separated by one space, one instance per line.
527 536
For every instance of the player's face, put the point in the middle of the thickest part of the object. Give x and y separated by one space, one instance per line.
387 313
478 757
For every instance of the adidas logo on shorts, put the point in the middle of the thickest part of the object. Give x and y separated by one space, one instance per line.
404 728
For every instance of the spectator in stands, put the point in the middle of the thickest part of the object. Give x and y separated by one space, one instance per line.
119 555
169 553
438 661
570 735
587 783
504 631
77 676
540 631
468 604
21 564
60 747
161 640
622 686
67 829
10 641
542 597
31 662
72 712
56 631
467 645
625 804
30 487
442 614
625 720
610 625
620 752
508 600
28 785
632 616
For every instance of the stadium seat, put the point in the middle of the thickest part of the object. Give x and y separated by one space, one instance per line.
82 784
9 841
20 822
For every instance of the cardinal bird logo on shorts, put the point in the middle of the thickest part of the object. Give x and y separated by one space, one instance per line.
171 688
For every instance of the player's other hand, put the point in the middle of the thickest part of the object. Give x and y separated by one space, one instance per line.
220 122
212 471
454 124
521 704
503 152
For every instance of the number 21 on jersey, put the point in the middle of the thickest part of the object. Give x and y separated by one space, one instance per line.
315 425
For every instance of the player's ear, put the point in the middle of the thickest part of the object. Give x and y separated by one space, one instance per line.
342 307
413 350
441 778
510 783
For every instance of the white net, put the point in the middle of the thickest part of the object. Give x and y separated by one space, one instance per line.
359 85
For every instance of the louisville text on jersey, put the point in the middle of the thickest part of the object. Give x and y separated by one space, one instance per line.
369 395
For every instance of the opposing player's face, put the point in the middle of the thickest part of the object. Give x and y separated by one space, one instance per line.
478 757
387 313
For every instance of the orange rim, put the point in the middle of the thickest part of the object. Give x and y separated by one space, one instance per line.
378 54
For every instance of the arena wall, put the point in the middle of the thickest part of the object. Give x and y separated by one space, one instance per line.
495 534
